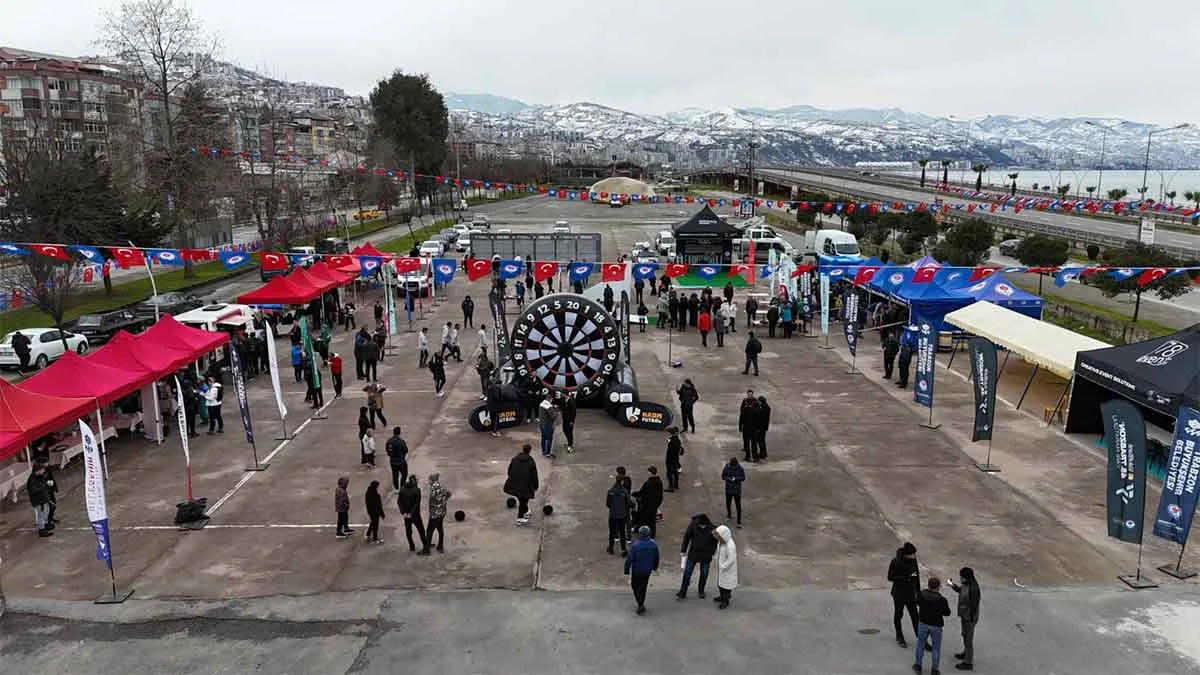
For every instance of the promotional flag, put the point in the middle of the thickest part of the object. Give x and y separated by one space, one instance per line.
767 271
128 257
51 251
925 358
272 360
500 326
510 269
307 346
88 253
707 272
1121 274
443 270
644 271
166 256
1125 438
925 274
1066 274
233 259
239 384
272 262
980 273
825 304
389 284
13 249
478 268
580 271
370 264
544 270
1151 275
1178 503
93 493
336 261
983 379
850 319
406 265
613 272
181 419
676 270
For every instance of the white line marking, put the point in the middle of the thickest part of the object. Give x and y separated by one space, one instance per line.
247 526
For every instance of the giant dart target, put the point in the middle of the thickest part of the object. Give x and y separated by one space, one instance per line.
568 343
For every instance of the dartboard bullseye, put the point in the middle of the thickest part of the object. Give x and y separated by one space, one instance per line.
568 343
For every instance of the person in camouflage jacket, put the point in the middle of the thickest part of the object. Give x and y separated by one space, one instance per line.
438 496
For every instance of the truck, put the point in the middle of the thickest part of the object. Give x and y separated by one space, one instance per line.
829 243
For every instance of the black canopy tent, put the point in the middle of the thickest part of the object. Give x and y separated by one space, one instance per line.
705 238
1158 375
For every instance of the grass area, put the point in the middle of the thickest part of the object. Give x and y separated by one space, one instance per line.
404 244
1082 329
365 228
692 280
502 197
1096 310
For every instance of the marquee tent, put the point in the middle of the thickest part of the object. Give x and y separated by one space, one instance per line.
303 278
367 249
1158 375
74 375
25 416
283 290
169 331
998 291
135 352
323 270
705 238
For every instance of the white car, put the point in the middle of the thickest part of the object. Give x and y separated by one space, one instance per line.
45 346
561 227
463 244
431 247
416 282
504 230
462 228
481 221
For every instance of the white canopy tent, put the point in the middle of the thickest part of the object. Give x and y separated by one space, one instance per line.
1041 343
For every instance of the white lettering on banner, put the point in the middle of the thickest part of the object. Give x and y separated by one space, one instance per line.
97 507
984 381
1163 354
1108 376
1124 459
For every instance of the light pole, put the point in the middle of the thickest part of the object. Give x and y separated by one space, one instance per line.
1103 137
1146 161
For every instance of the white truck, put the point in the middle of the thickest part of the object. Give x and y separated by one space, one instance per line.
829 243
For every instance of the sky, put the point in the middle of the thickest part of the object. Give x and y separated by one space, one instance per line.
1057 58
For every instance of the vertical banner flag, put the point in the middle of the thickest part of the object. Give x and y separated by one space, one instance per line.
500 327
389 289
1125 438
850 321
983 375
926 344
181 419
806 294
272 362
824 304
1178 503
93 491
239 383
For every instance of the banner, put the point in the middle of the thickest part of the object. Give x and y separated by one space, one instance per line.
481 418
850 319
389 290
983 375
624 324
825 304
273 362
1178 503
239 383
500 325
1125 437
93 492
925 358
643 415
181 419
806 294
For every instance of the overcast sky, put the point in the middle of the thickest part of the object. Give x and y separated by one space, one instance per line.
946 57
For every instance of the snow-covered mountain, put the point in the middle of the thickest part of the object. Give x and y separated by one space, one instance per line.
807 135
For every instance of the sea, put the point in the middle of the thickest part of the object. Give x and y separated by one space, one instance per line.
1159 181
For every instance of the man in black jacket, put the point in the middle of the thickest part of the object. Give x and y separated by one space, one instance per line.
753 348
649 497
932 610
620 505
522 481
408 499
905 576
397 452
751 312
747 421
568 410
968 613
699 546
762 422
39 498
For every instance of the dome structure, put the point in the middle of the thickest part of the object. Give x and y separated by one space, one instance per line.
620 185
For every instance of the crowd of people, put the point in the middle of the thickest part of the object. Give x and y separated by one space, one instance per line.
927 609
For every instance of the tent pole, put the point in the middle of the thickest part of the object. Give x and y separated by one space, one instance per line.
1061 399
1007 353
953 351
100 433
1028 384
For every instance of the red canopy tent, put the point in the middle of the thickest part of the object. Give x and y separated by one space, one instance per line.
135 352
26 416
73 375
367 249
170 332
322 270
302 276
353 267
283 290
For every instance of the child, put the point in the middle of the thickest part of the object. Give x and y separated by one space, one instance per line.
368 449
643 313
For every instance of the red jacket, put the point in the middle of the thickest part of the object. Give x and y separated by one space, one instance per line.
704 321
335 365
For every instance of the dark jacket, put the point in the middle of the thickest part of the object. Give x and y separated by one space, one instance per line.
619 503
687 395
341 499
748 414
905 577
568 409
649 498
370 351
522 479
408 500
764 415
968 601
773 314
438 368
733 477
374 501
468 306
751 306
753 347
932 608
495 395
674 451
643 557
38 491
397 451
699 542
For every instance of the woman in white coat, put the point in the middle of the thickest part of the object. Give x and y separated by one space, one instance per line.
727 571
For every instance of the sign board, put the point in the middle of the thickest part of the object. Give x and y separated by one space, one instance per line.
1146 231
644 415
481 418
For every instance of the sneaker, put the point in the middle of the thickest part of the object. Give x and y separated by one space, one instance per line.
916 667
725 603
340 535
640 611
701 594
423 551
495 434
903 644
570 450
964 666
377 541
45 533
522 521
440 394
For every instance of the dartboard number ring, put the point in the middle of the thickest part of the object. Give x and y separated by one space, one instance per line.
568 343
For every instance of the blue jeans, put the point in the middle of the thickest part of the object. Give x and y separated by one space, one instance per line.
934 634
687 575
547 441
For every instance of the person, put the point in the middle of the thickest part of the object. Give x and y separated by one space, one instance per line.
20 346
688 395
371 353
608 298
643 313
547 419
313 379
484 367
908 344
422 346
52 486
693 310
445 348
364 423
664 309
638 287
751 312
397 452
720 325
672 310
727 567
481 348
212 401
649 497
361 338
905 576
348 318
729 314
699 546
341 504
674 452
753 348
455 349
374 504
787 317
438 496
495 404
378 310
747 421
191 405
298 362
968 613
932 610
522 481
368 448
568 409
468 310
762 424
374 392
891 347
734 475
335 372
437 366
727 291
38 490
519 289
408 500
772 318
704 324
620 504
640 563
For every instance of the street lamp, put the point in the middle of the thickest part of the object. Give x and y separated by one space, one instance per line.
1146 161
1103 137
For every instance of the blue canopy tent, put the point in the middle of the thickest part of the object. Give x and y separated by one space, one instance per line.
999 291
931 301
924 261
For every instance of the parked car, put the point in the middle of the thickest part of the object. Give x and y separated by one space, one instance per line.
481 221
462 228
98 328
1009 246
561 227
45 346
504 230
449 235
302 255
332 245
463 245
431 247
168 303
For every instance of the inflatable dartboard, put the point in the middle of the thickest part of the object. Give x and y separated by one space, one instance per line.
568 343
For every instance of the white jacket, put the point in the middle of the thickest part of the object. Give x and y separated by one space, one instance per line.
727 574
728 311
210 396
422 341
368 445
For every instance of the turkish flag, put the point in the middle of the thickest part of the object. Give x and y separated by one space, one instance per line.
89 274
925 274
980 273
196 254
676 270
1151 275
51 251
336 261
993 207
613 272
689 200
272 262
865 274
544 270
477 268
128 257
736 202
406 265
737 269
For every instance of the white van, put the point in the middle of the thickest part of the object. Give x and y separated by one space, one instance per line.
228 318
664 243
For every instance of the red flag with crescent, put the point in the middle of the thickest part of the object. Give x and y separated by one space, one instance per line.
130 257
272 262
614 272
544 270
51 251
478 268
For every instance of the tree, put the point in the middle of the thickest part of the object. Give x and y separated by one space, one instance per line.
946 171
1093 251
979 169
967 243
1090 189
1040 250
1013 178
922 162
1063 190
1193 196
411 115
1136 254
1117 194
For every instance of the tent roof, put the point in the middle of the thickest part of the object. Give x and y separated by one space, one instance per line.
169 331
25 416
1162 373
705 223
74 375
1045 344
136 352
366 249
323 270
281 290
306 279
924 261
998 290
